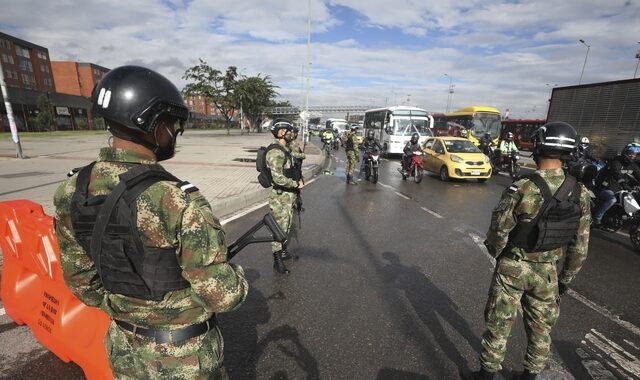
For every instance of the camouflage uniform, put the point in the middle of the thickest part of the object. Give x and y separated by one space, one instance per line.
167 217
351 148
530 281
296 151
280 201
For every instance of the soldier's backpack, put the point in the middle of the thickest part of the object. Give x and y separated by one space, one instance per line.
556 223
264 176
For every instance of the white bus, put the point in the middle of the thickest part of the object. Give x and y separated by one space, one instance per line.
393 126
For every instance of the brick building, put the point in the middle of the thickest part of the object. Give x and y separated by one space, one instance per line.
76 78
28 76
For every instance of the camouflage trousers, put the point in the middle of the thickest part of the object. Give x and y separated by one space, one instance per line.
139 357
281 204
535 287
352 160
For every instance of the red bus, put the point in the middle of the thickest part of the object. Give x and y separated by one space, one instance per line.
522 130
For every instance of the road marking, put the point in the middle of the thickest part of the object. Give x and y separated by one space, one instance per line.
2 312
385 185
624 360
401 195
596 370
623 234
432 213
249 210
604 312
480 243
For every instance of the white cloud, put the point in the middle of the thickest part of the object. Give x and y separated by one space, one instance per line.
498 53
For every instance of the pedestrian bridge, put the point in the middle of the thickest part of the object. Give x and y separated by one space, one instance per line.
319 109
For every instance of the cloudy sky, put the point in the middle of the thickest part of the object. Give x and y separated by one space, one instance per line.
364 52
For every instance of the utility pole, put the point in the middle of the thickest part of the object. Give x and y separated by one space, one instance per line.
12 121
306 108
638 64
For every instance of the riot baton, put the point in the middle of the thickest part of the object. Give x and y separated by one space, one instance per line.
248 238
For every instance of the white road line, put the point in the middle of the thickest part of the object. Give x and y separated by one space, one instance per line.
622 233
622 358
385 185
249 210
2 312
432 213
604 312
401 195
480 243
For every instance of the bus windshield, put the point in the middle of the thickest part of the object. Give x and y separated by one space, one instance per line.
484 122
406 126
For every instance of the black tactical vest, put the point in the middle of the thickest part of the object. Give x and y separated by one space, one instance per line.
106 227
556 223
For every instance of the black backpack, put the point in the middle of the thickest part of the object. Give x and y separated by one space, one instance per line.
264 176
556 223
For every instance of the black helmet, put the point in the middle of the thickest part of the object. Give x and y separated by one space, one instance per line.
415 137
280 123
487 135
370 134
584 172
135 97
555 136
629 153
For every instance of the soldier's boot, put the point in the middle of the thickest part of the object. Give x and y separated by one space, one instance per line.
350 181
482 374
288 256
278 264
526 375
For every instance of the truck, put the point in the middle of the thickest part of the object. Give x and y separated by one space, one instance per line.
608 113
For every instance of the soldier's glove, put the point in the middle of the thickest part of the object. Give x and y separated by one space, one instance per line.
562 288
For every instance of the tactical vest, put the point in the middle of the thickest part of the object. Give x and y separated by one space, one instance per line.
293 172
556 223
106 227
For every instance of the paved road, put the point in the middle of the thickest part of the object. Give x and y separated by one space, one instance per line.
391 284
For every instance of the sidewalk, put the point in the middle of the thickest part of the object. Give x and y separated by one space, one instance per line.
221 166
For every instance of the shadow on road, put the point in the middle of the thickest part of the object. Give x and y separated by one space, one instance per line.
431 305
244 350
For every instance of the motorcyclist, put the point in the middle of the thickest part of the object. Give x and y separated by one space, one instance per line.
326 137
614 177
412 145
485 143
507 146
369 145
584 152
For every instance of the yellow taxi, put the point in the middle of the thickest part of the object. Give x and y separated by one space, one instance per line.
455 157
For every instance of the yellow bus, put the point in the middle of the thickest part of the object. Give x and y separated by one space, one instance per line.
478 120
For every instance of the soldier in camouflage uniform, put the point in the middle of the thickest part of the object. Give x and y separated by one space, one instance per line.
285 188
351 148
173 335
294 146
527 278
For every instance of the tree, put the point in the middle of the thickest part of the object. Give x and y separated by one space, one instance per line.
254 95
44 120
215 87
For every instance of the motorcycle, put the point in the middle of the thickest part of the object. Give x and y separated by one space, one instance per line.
508 163
415 168
625 212
328 143
335 144
371 164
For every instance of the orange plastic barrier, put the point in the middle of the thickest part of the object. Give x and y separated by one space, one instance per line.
33 290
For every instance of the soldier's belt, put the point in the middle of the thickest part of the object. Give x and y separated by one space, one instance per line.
513 256
173 336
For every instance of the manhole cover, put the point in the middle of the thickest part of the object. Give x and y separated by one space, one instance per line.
25 174
244 159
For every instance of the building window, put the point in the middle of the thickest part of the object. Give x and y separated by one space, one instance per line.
7 58
44 68
42 55
47 82
10 74
5 44
22 52
29 80
25 64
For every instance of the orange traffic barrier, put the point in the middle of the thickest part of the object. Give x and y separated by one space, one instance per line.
34 292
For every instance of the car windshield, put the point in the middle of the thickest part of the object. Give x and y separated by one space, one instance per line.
460 146
484 122
408 126
342 126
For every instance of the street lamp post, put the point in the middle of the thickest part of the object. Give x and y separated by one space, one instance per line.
450 92
585 60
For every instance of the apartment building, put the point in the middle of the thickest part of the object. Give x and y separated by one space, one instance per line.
28 76
76 78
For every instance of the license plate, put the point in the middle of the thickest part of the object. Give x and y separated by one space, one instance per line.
475 172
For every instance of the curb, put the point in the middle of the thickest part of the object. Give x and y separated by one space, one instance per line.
228 206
